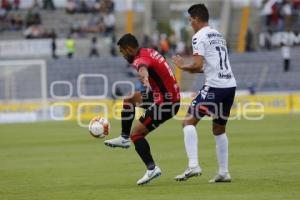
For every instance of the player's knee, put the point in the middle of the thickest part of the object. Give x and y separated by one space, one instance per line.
189 120
187 123
128 104
218 129
128 101
184 123
136 136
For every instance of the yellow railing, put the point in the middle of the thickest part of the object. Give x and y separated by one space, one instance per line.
243 29
85 110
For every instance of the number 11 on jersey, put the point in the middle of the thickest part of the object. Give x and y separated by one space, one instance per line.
223 60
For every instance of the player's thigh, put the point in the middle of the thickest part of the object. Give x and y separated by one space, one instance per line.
224 105
204 104
167 111
156 114
147 99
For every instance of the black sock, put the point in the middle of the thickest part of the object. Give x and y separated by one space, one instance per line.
143 149
127 115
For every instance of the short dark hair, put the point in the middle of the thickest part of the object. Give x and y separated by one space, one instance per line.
200 11
128 40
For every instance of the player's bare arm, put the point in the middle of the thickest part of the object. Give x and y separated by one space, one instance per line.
143 75
195 67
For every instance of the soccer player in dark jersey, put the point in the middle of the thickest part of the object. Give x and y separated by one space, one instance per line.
161 104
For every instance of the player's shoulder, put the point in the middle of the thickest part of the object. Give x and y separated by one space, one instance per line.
144 55
145 51
202 34
198 36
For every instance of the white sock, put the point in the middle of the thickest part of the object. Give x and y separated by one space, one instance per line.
222 153
191 144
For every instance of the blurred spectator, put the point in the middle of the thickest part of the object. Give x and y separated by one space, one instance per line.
89 6
70 45
48 4
113 46
94 48
71 6
180 48
249 40
97 5
16 4
94 24
33 31
278 14
108 5
286 12
5 4
35 5
296 2
164 44
102 21
267 11
2 19
251 88
155 40
296 14
146 42
109 23
2 12
82 8
33 18
53 44
16 22
286 55
172 42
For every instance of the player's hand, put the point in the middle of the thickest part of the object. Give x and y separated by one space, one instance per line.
178 61
146 83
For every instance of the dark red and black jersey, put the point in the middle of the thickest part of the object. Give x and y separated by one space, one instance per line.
161 78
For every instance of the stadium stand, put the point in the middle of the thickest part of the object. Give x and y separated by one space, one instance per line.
36 22
69 70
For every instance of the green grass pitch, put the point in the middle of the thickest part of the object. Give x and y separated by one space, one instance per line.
61 161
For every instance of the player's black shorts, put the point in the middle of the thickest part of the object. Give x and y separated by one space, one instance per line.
147 98
155 114
215 102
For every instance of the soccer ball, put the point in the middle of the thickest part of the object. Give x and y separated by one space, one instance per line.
99 127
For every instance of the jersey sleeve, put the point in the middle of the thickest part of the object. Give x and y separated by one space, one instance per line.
142 61
198 46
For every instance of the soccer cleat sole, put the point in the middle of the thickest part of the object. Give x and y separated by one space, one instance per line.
187 177
144 183
116 146
220 181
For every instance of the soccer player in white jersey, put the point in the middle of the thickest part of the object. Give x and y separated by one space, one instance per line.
215 99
